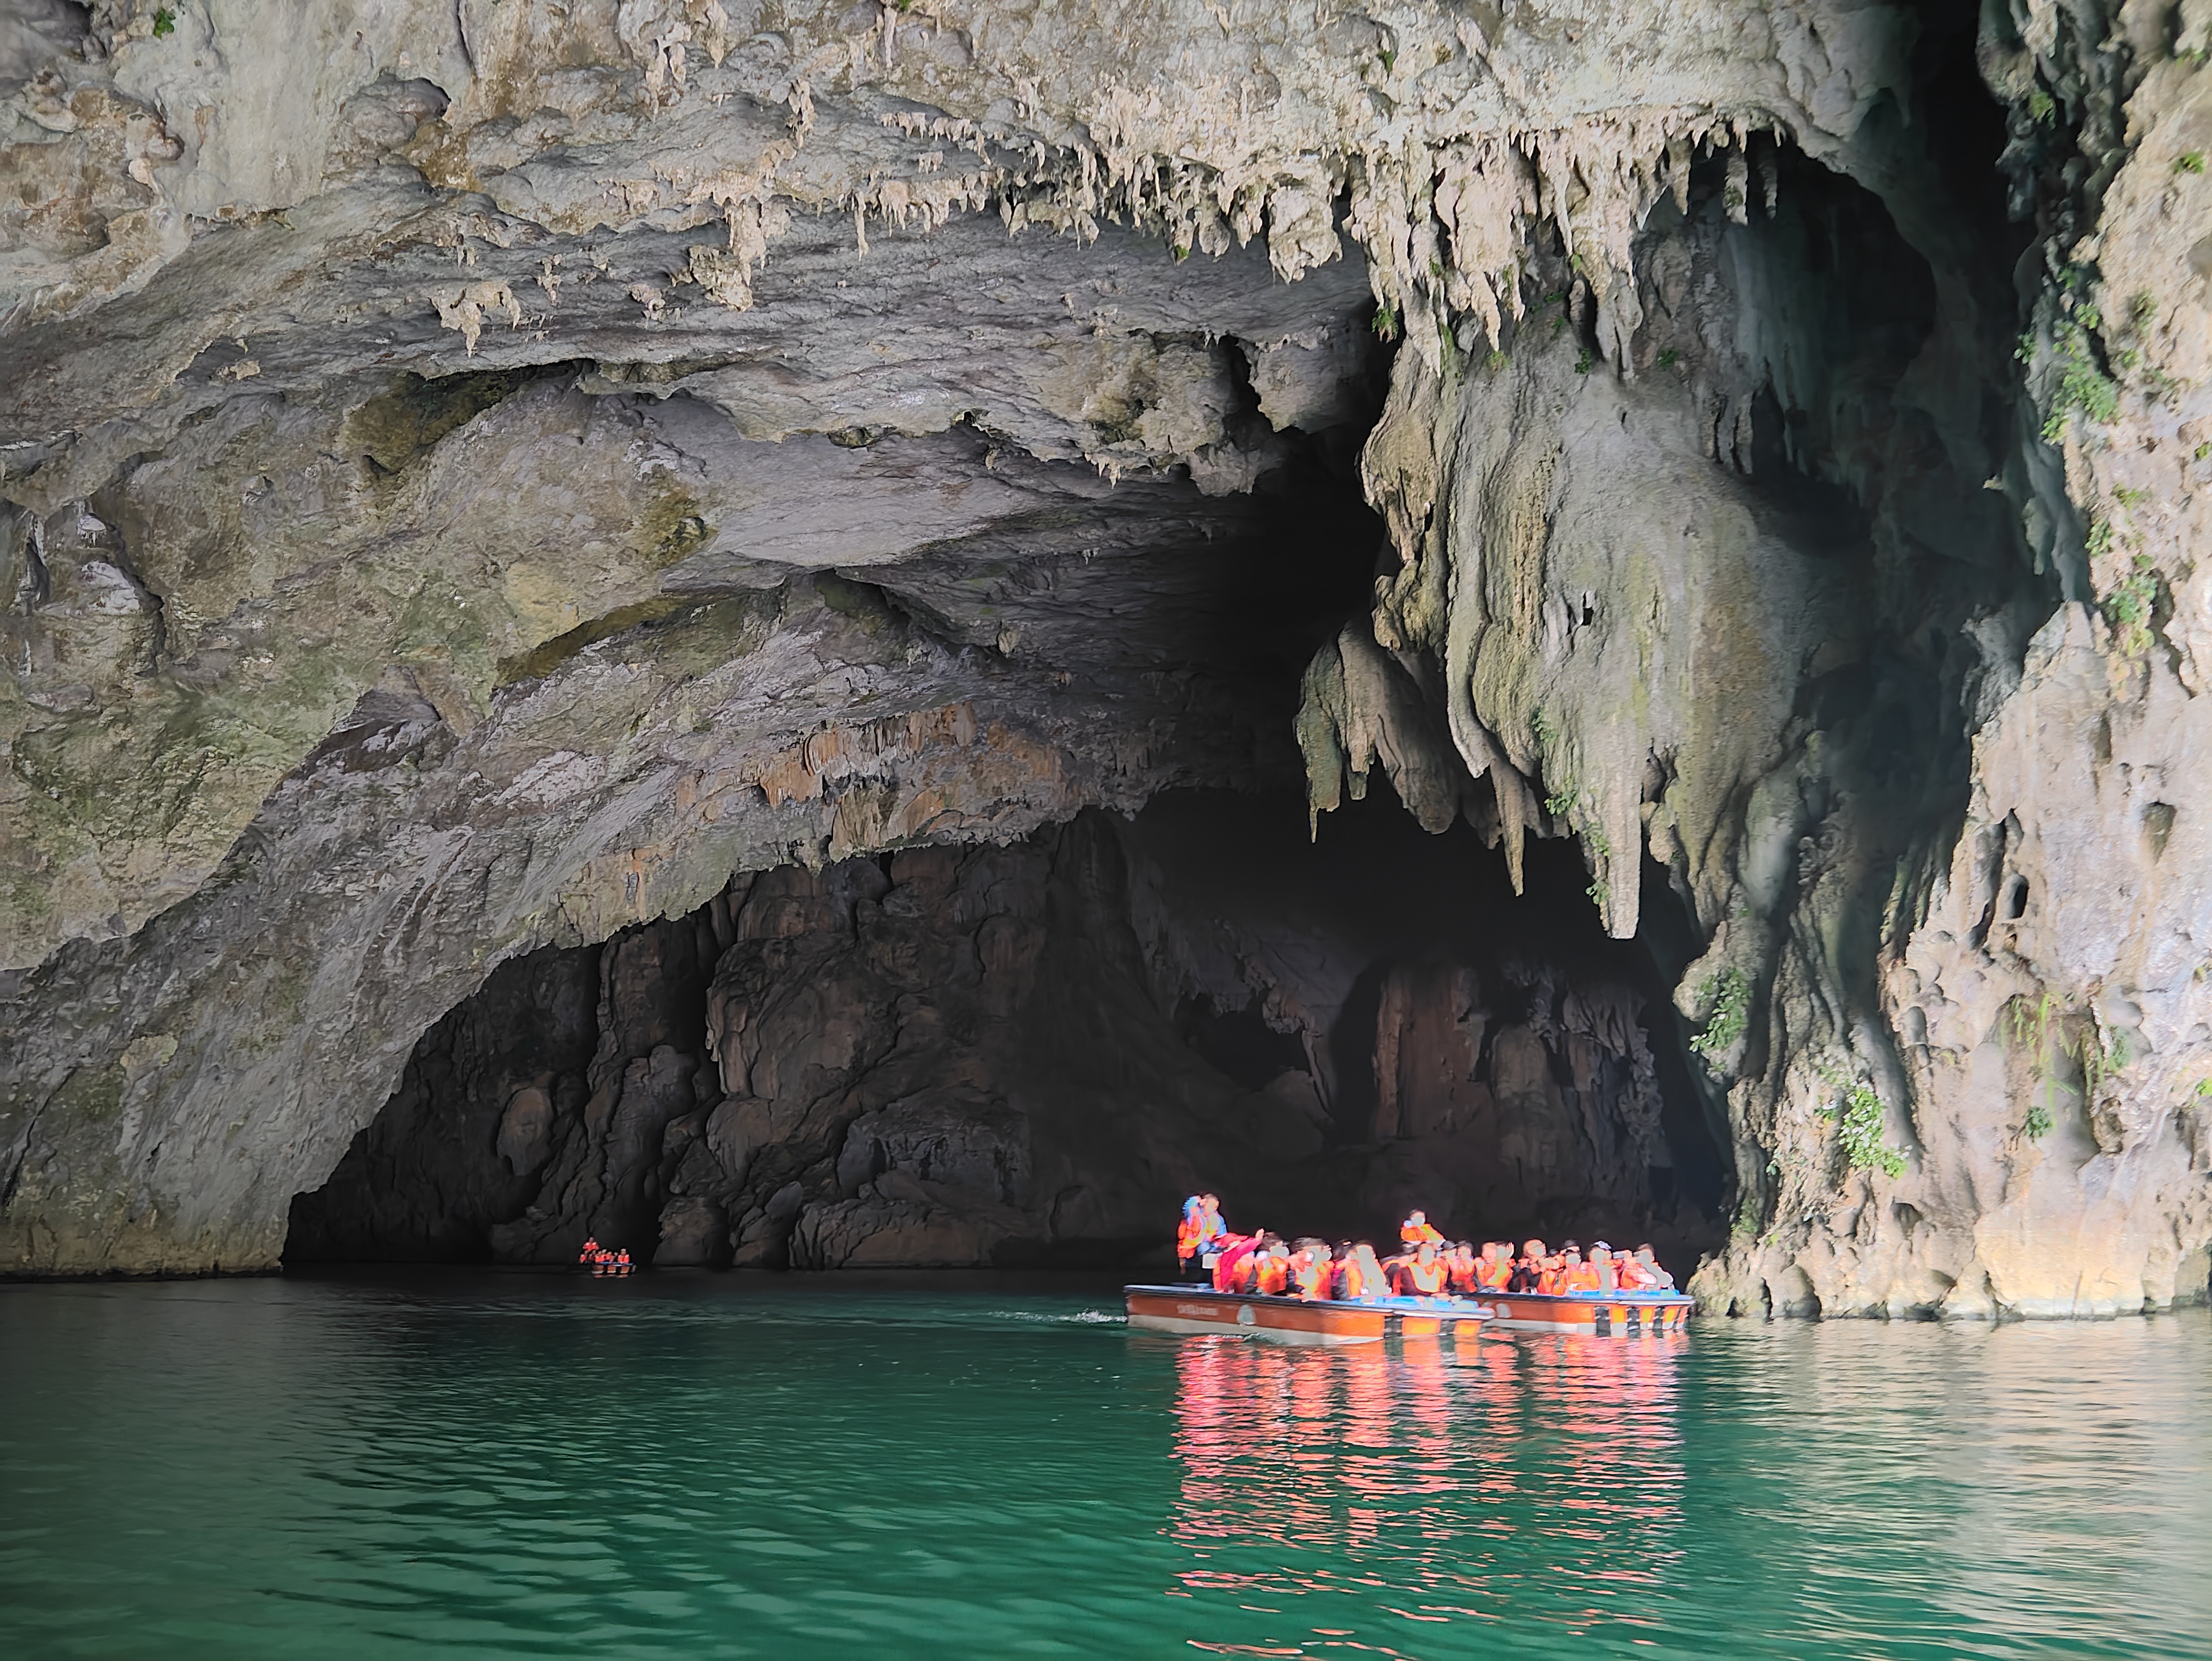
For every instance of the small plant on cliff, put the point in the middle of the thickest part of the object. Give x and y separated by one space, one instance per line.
2083 389
2190 161
2100 1058
165 22
2031 1029
1584 363
1669 358
1386 320
1729 994
2130 603
1858 1114
1747 1217
2041 106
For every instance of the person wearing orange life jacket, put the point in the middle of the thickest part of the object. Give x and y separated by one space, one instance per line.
1417 1231
1555 1267
1234 1248
1394 1272
1660 1279
1273 1278
1575 1274
1528 1271
1494 1268
1310 1267
1459 1268
1343 1272
1246 1277
1602 1266
1365 1278
1212 1231
590 1245
1425 1275
1187 1230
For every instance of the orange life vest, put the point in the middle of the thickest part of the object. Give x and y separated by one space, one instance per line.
1420 1234
1274 1276
1230 1257
1427 1279
1578 1277
1494 1276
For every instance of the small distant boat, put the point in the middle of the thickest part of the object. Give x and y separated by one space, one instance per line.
1604 1314
1197 1308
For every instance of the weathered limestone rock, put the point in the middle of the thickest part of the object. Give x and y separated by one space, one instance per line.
473 477
1960 1062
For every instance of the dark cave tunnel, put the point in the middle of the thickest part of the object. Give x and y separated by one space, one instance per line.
1024 1056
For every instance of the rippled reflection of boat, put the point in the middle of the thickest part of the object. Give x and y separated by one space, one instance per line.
1614 1314
1194 1309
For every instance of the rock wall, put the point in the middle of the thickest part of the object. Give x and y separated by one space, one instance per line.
1021 1054
1799 607
473 477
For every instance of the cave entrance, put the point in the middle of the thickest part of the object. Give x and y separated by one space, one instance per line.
1026 1055
1494 1058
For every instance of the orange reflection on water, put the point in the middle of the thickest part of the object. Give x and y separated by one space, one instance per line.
1427 1482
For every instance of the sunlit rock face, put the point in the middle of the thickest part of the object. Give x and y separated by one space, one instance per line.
485 481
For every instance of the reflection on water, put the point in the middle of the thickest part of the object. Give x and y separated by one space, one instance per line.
488 1466
1533 1479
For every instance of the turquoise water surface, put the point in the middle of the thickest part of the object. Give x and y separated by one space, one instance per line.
488 1464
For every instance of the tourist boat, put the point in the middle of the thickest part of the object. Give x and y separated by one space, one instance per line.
1199 1309
1606 1314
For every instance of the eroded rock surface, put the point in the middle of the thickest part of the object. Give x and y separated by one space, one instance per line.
474 478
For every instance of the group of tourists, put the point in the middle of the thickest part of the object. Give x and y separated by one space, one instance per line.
602 1261
1426 1265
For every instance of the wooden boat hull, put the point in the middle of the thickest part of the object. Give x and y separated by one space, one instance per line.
1190 1309
1617 1316
1286 1320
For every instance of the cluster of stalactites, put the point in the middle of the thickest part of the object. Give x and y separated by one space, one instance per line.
1446 227
1446 224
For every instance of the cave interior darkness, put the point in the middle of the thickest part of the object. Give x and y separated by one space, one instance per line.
1024 1056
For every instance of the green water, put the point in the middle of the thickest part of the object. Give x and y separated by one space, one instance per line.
485 1465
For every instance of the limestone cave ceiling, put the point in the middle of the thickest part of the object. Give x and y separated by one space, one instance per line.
482 484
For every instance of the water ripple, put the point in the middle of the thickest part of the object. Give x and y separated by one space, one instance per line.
499 1466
